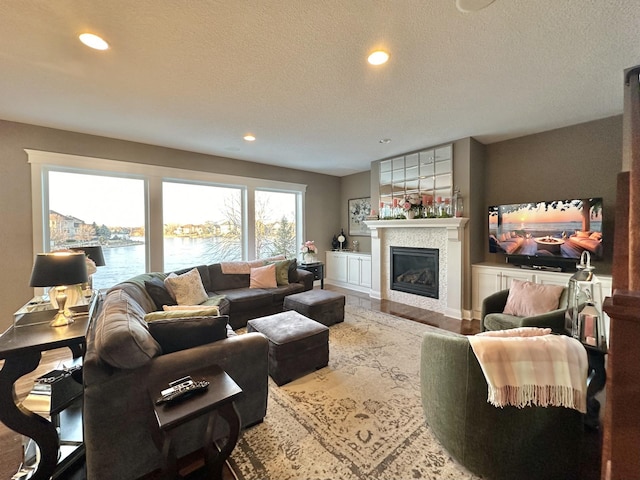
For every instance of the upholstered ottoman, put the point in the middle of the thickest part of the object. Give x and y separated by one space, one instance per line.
297 344
323 306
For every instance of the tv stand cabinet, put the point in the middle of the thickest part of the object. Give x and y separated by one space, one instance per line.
488 278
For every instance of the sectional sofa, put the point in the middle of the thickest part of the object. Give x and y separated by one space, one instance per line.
125 353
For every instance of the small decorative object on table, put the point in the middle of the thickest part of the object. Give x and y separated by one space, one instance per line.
309 251
342 239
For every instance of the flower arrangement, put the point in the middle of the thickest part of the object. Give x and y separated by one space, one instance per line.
309 247
412 202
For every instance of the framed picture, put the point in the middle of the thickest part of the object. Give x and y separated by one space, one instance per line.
359 210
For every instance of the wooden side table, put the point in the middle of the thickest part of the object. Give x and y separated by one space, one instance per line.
317 268
216 401
21 347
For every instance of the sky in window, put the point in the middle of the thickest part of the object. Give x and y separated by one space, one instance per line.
111 201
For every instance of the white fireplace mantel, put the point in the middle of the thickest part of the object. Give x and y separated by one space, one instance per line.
447 232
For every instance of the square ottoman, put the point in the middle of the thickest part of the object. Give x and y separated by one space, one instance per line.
323 306
297 344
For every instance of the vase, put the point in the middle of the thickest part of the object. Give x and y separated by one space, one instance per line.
409 214
309 258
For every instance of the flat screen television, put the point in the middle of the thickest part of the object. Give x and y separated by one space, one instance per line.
547 234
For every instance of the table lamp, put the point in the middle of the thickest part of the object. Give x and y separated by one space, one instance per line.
59 269
93 253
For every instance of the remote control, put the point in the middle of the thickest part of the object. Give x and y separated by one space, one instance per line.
182 392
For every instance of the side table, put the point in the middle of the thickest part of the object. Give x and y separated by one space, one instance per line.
317 268
21 348
595 383
217 400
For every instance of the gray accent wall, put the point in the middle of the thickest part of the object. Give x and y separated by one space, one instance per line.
580 161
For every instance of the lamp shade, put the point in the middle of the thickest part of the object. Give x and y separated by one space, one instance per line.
59 268
94 252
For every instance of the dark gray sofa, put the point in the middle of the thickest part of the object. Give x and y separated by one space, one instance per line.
122 358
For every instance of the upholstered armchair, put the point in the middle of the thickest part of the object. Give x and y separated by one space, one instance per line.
531 443
493 318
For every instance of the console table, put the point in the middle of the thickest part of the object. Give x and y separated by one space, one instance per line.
21 347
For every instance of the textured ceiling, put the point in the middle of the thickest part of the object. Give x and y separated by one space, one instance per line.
197 75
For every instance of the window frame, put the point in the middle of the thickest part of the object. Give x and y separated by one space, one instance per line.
43 162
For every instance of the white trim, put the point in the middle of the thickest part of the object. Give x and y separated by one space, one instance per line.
142 169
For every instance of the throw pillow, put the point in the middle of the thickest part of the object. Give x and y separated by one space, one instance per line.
176 334
184 313
159 293
293 271
528 298
187 288
282 271
263 277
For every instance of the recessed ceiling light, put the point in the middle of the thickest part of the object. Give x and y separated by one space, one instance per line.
249 138
93 41
378 57
468 6
384 140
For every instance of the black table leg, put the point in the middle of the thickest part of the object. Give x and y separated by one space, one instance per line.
23 421
595 383
215 456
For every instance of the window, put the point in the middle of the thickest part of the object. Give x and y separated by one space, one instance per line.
275 224
202 224
99 210
151 218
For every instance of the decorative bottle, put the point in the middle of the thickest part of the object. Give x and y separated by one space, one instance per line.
458 206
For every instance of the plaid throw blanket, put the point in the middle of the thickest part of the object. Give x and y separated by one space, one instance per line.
529 366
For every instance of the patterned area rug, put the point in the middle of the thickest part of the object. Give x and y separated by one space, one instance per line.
359 418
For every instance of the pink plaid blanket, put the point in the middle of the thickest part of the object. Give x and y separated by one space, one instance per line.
528 366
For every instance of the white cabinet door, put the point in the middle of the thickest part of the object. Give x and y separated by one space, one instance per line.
365 271
509 275
353 270
485 282
336 267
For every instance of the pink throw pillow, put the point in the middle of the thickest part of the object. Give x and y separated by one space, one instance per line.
263 277
527 298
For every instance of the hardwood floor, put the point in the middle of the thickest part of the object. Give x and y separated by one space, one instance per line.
10 443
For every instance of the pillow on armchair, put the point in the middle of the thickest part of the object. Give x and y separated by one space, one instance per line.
527 299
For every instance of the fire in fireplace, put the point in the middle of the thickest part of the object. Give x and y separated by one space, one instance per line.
415 270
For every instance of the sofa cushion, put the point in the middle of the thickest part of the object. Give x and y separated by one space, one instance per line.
278 294
159 293
293 271
187 288
246 299
122 338
263 277
203 311
528 298
174 334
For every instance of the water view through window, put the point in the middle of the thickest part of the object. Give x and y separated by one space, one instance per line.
202 223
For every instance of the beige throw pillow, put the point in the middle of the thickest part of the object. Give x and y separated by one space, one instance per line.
527 298
201 311
263 277
187 288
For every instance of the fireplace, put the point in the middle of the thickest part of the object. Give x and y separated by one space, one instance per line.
415 270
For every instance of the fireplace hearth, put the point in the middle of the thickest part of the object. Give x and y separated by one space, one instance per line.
415 270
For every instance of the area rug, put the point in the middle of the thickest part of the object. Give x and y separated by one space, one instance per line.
359 418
